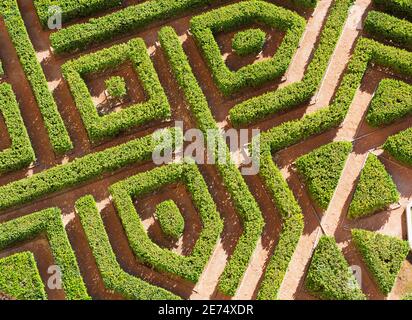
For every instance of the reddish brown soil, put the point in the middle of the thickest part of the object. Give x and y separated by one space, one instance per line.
332 222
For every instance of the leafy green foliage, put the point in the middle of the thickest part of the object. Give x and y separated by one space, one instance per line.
375 190
72 9
245 204
58 135
382 254
294 94
116 87
188 267
48 222
21 153
20 278
80 170
387 27
400 146
113 276
329 276
231 17
170 219
408 297
392 101
101 127
400 7
131 18
322 169
248 42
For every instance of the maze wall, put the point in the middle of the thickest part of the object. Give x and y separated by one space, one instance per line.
327 83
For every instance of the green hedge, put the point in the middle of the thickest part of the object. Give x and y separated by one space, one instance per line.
387 27
72 9
116 87
245 204
233 16
408 297
170 219
130 19
392 101
113 276
322 169
100 127
48 222
247 42
20 278
294 94
401 7
382 254
329 276
400 146
58 135
20 154
375 190
78 171
124 192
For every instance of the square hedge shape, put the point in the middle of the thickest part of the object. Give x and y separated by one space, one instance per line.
189 267
234 16
100 127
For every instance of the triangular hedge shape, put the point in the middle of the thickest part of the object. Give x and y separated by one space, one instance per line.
321 170
375 190
329 276
20 279
382 254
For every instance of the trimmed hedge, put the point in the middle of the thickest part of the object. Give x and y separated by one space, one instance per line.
58 135
233 16
408 297
329 276
20 154
399 146
322 169
130 19
245 204
387 27
113 276
79 171
100 127
392 101
20 278
116 87
383 255
48 222
189 267
72 9
375 190
401 7
248 42
294 94
170 219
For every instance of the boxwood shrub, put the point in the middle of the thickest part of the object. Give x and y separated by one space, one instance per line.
100 127
170 219
124 192
20 278
80 170
322 169
400 146
399 7
392 101
114 277
382 254
230 17
20 154
248 42
48 222
72 9
375 190
58 135
245 204
116 87
294 94
329 276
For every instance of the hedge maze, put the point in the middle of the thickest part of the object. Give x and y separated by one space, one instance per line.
80 111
